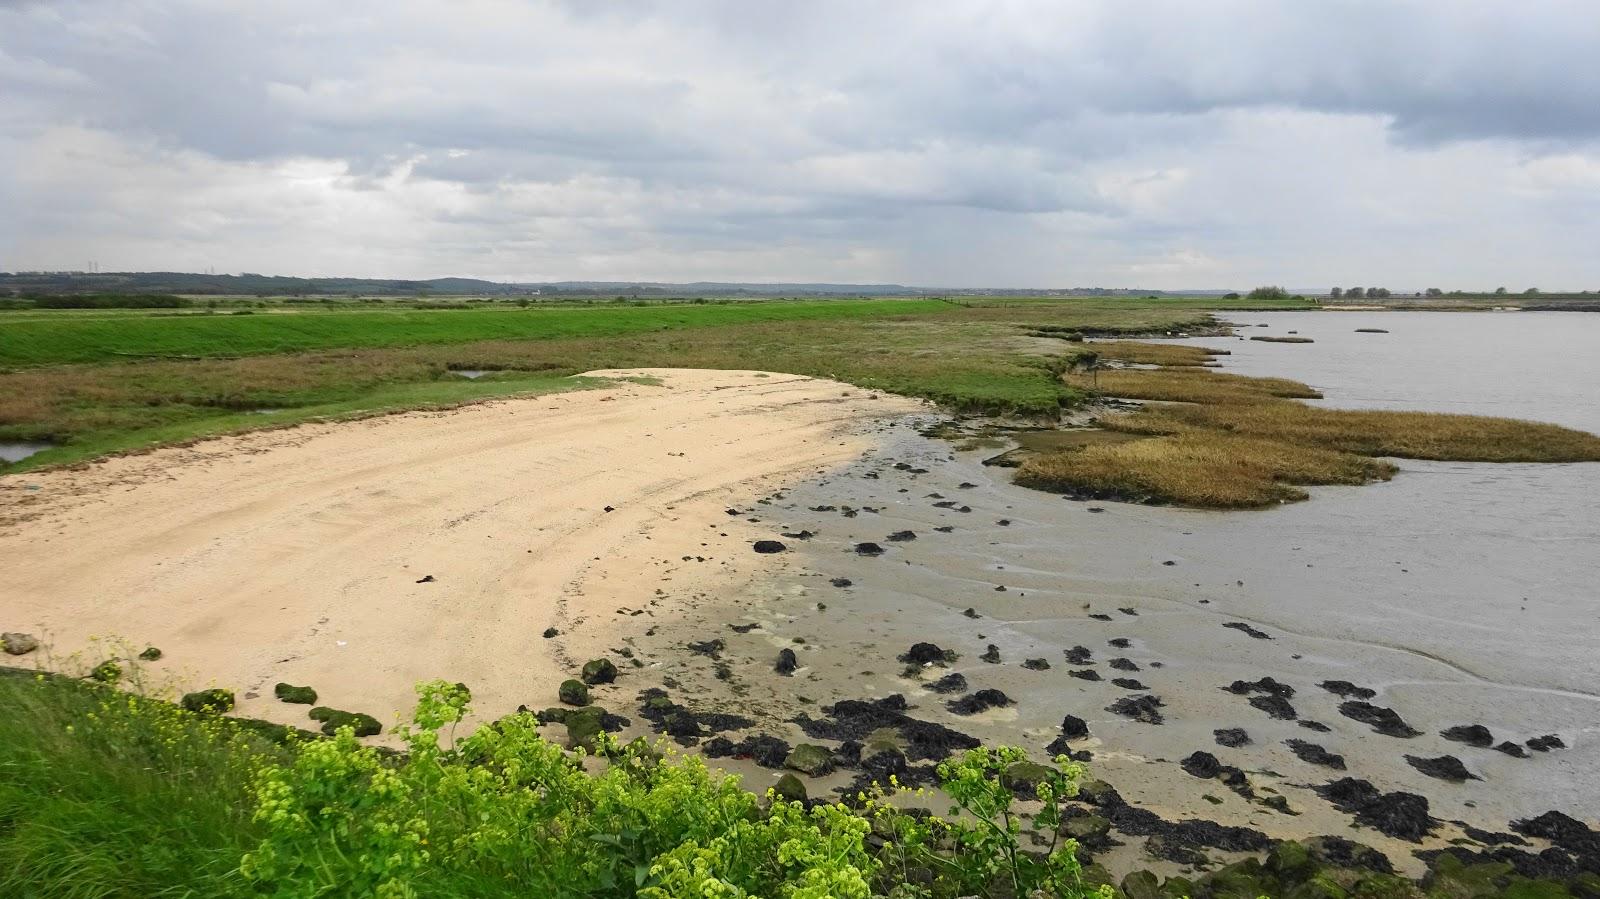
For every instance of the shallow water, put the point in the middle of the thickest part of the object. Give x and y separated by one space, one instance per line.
1462 593
16 452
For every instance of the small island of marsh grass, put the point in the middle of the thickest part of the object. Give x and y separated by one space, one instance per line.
1224 441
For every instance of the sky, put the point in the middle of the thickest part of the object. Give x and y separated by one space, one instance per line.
1130 143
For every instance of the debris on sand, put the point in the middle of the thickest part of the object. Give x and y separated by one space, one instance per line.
1079 655
787 662
981 701
1382 720
1146 708
1036 664
859 719
868 549
1129 683
1346 690
550 632
927 654
425 579
767 547
1470 734
901 536
950 683
1084 674
1241 626
1444 767
1546 743
1231 737
841 582
1312 754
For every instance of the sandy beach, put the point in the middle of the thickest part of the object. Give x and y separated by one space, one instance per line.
363 557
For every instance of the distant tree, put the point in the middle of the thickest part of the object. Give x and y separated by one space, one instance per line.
1230 296
1268 293
1435 292
1499 291
1531 292
1356 293
1336 293
1378 292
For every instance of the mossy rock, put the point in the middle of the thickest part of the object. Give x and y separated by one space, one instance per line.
573 692
583 726
1085 828
363 724
1385 886
659 704
215 699
809 758
1025 775
1240 880
599 671
1321 886
1291 862
790 788
1141 885
552 716
1452 878
296 695
150 654
107 672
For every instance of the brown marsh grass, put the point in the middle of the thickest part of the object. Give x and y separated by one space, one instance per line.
1208 469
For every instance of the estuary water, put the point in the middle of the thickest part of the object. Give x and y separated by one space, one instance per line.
1459 593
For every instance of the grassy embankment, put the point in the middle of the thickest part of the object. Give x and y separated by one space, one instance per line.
95 385
1218 440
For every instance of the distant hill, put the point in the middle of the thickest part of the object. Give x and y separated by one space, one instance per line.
248 284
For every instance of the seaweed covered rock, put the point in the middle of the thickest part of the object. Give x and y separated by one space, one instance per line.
927 654
1382 720
1313 754
1231 737
1400 815
215 700
1444 767
1024 777
362 724
599 671
293 694
1470 734
787 662
573 692
981 701
1146 708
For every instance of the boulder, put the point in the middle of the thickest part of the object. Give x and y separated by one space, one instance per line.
1086 828
790 789
599 671
809 758
573 692
18 644
1025 776
150 654
1470 734
787 662
767 547
294 694
1074 728
583 726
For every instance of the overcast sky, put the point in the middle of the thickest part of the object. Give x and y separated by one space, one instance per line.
1450 143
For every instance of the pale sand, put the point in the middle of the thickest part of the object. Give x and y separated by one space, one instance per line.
294 555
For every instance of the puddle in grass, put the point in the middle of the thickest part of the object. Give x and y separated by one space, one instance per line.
472 373
16 452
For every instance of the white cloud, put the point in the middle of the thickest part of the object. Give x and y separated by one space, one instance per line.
1428 142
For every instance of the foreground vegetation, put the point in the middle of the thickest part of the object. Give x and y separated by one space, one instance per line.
1218 440
108 793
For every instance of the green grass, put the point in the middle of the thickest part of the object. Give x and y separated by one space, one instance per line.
965 357
46 341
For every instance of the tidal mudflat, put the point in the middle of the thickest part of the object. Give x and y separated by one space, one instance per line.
1398 623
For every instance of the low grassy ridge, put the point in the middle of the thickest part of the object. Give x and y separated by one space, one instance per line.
967 357
1218 440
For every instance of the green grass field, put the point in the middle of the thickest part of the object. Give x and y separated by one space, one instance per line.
93 383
